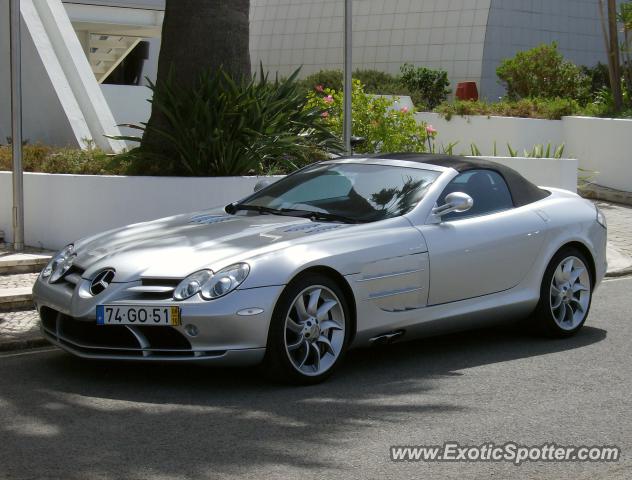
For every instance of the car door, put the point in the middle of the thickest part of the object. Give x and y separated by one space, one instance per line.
488 249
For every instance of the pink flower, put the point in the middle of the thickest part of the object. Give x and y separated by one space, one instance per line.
431 130
328 99
324 114
404 109
319 88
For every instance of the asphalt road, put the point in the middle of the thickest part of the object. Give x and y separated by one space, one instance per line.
65 418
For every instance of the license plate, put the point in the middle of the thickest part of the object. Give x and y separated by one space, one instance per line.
137 315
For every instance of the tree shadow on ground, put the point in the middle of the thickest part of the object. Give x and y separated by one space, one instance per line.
67 418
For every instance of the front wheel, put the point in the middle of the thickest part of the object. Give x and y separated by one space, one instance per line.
565 295
309 331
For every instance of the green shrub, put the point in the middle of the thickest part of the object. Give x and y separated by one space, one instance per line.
384 129
550 109
598 77
45 159
374 81
220 127
324 79
542 72
380 83
428 88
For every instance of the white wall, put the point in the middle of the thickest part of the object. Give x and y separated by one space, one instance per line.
601 145
62 102
62 208
129 104
544 172
521 133
40 102
59 209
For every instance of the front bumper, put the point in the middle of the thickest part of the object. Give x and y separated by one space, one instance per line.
223 336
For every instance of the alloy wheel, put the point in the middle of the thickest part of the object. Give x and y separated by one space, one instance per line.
570 293
314 330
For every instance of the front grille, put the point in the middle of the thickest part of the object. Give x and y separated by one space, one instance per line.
71 278
160 282
86 337
152 289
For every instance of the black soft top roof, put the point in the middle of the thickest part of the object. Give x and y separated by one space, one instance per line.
522 190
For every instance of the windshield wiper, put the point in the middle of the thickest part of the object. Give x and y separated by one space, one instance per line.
289 212
319 215
237 207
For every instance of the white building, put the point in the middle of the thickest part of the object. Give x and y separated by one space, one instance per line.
467 38
73 52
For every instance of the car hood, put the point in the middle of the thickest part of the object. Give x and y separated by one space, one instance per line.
177 246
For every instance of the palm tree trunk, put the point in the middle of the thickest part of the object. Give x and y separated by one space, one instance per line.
198 35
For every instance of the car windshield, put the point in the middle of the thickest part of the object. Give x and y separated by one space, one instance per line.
350 192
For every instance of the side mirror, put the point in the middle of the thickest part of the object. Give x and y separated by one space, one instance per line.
454 202
263 183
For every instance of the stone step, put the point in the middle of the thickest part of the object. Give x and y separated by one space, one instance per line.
15 290
15 298
30 261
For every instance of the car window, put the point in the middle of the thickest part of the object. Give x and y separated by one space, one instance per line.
487 188
364 192
329 185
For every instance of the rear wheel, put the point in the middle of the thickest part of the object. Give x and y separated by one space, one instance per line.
309 331
565 295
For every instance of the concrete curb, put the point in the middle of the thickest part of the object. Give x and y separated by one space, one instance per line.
23 344
597 192
619 264
619 273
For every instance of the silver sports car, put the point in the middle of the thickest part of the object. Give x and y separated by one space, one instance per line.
340 254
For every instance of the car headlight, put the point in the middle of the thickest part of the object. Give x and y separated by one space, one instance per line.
59 264
601 218
212 285
225 281
192 284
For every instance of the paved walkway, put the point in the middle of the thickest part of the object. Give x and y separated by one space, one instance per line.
619 218
19 329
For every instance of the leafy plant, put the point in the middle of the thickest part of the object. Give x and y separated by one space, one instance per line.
512 152
374 81
428 87
46 159
223 127
624 17
541 151
322 80
550 109
538 151
603 104
597 76
474 150
385 129
449 148
542 72
380 83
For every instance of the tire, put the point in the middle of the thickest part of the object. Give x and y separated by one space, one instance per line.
565 295
309 331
